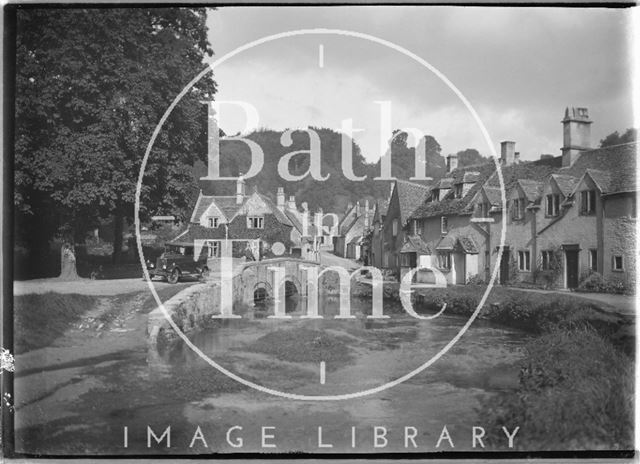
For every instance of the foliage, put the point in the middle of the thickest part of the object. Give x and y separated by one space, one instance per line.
630 135
470 157
575 392
41 318
91 86
552 273
595 282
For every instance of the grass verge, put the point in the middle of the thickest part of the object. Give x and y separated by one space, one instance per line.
41 318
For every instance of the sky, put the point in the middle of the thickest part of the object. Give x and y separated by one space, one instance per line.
518 68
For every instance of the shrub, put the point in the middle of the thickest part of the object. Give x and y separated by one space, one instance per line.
594 282
575 391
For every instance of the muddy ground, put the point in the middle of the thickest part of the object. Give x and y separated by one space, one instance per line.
77 396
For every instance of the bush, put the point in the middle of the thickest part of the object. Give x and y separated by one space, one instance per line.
575 392
594 282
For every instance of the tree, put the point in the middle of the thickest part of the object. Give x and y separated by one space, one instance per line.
91 86
469 157
631 135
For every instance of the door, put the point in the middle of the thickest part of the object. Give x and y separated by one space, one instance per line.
459 267
572 268
504 266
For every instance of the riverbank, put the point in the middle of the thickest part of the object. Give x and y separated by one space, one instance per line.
576 387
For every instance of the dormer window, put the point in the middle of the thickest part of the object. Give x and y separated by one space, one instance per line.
552 206
587 202
517 209
483 209
213 222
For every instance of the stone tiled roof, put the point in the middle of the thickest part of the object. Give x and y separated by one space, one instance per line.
565 183
280 216
450 205
453 242
415 244
532 189
410 196
618 161
493 195
537 170
226 204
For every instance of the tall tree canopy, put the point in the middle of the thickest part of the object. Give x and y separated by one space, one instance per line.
91 86
630 135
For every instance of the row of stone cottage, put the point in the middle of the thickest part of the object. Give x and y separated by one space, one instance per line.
565 217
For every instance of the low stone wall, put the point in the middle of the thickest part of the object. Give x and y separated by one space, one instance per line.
187 309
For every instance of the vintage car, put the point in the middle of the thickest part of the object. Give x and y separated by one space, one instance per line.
178 261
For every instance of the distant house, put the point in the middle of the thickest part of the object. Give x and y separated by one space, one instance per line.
406 198
376 247
352 229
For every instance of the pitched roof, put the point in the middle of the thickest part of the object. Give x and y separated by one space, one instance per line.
415 244
226 204
451 242
450 205
410 196
531 188
618 161
565 183
493 194
280 216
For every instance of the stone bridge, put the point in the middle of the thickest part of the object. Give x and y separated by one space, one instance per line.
255 280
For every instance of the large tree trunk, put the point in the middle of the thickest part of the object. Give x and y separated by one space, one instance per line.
68 263
118 220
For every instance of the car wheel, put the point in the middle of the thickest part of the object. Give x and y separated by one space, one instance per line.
205 273
174 277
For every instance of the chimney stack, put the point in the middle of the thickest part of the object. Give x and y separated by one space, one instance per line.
516 157
292 203
367 221
280 198
357 208
240 189
576 128
507 152
452 163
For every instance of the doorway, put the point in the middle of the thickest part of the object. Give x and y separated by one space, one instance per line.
572 269
504 265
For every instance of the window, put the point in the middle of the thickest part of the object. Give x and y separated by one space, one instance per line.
547 260
417 230
408 259
458 191
634 206
444 260
444 225
524 261
483 210
593 260
213 222
553 205
255 222
587 202
214 249
394 227
517 209
618 263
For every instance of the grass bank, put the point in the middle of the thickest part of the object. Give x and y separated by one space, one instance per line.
576 384
41 318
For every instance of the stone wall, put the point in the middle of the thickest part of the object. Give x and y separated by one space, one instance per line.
187 309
